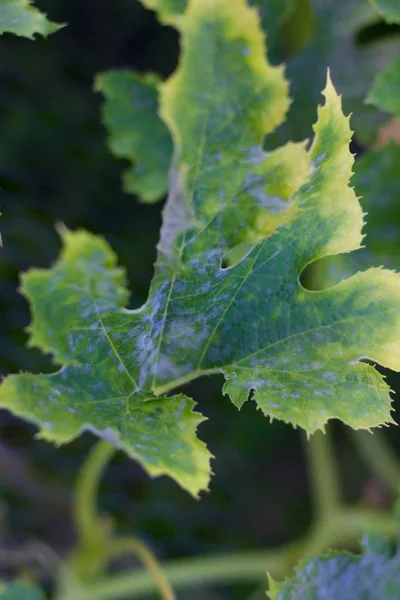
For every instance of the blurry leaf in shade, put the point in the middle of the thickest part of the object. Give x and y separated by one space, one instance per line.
386 91
375 575
22 18
377 182
20 591
389 9
333 44
136 132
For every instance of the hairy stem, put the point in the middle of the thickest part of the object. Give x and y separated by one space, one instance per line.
379 457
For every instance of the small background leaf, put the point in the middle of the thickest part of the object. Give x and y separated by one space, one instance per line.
136 132
372 576
22 18
386 91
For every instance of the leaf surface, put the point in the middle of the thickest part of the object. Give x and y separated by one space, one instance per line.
372 576
136 132
22 18
297 351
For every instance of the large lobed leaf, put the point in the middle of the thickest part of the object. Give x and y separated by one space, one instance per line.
298 352
22 18
373 576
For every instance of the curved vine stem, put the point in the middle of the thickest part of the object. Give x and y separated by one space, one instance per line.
95 549
325 485
86 493
343 529
132 545
378 455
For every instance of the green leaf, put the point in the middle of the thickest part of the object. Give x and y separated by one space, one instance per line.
19 591
389 9
21 18
386 91
297 351
84 295
136 132
373 576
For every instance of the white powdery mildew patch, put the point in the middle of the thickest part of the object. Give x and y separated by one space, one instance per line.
147 341
254 155
330 376
202 263
165 369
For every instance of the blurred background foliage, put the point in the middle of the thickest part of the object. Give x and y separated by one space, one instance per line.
55 167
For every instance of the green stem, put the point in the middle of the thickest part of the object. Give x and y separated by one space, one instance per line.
135 546
86 492
323 474
341 530
379 457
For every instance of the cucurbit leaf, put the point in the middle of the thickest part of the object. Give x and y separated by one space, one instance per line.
297 351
